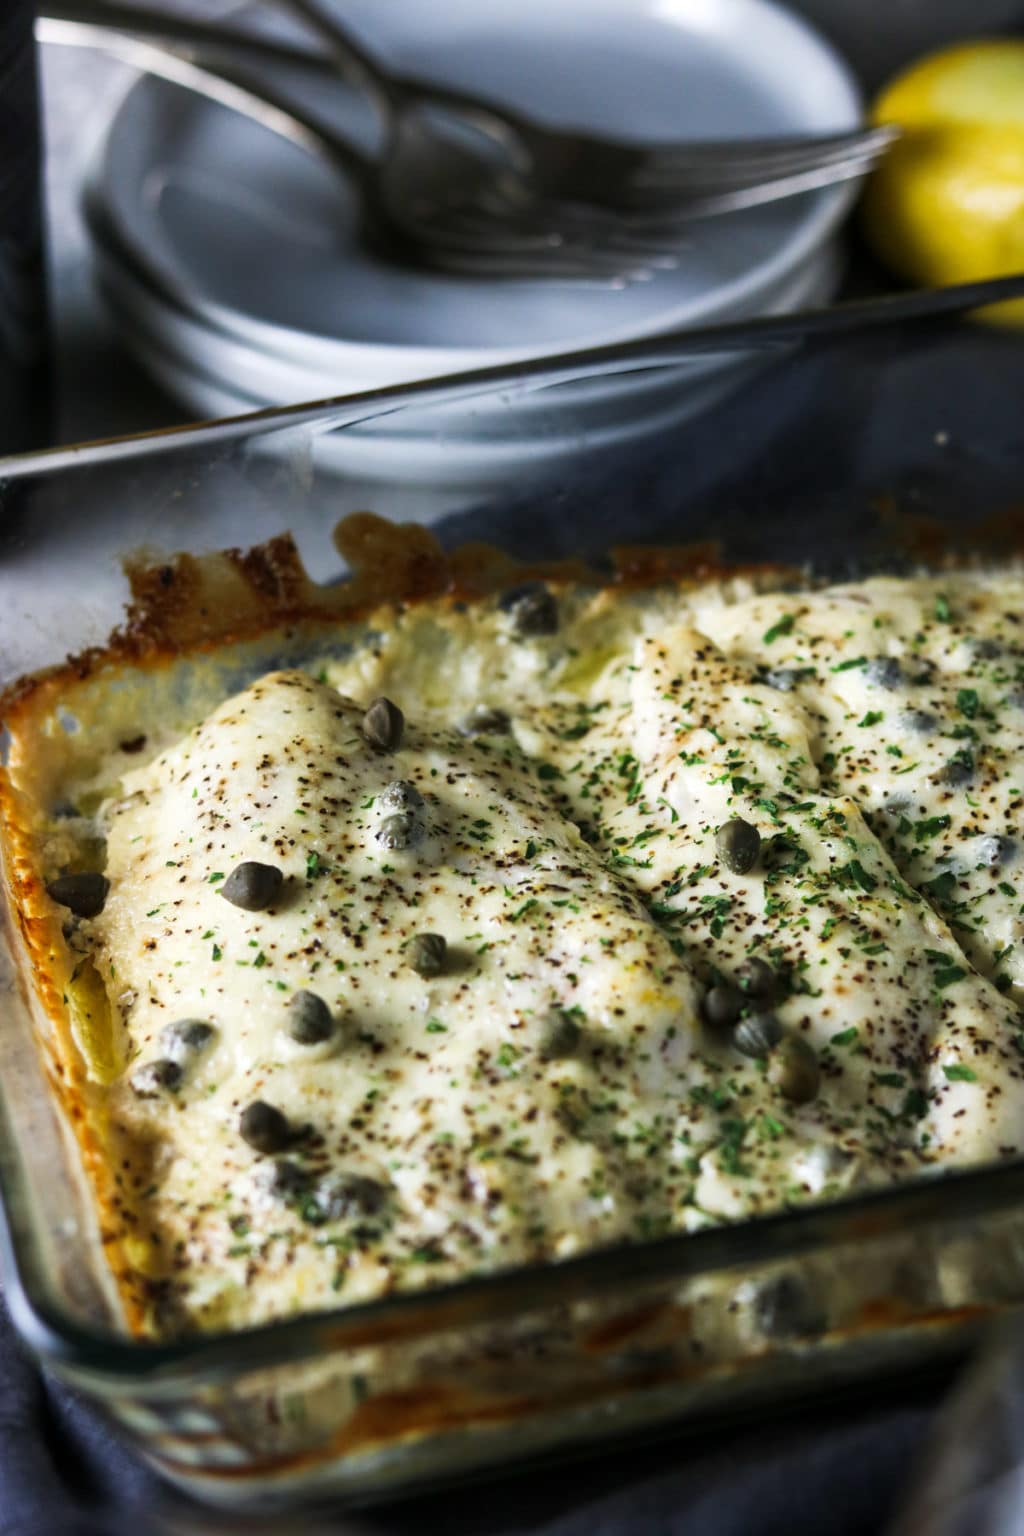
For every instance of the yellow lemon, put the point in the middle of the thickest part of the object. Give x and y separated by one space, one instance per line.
946 205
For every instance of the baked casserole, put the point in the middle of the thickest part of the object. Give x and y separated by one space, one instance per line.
483 917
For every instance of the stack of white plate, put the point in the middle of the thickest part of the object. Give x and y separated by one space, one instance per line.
234 266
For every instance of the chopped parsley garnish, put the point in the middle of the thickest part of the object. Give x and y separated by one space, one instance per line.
848 875
782 626
733 1131
945 970
847 666
931 826
942 887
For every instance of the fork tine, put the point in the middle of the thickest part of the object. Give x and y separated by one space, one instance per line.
458 231
512 255
738 198
481 245
551 233
719 156
659 221
663 190
500 267
662 175
576 263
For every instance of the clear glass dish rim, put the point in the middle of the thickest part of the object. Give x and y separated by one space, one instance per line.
354 408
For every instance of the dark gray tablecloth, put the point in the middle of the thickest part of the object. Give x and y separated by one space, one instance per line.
833 1472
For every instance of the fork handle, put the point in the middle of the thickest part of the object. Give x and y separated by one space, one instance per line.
151 22
347 51
142 45
391 89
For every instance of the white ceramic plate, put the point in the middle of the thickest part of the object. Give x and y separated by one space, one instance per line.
255 237
268 379
468 443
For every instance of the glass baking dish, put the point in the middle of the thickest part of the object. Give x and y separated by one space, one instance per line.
852 455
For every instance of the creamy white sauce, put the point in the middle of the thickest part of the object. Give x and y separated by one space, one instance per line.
556 1086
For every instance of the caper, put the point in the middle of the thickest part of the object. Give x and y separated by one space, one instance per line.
784 1308
884 672
996 850
739 845
264 1127
722 1006
956 773
185 1038
253 887
984 648
560 1036
398 831
785 679
157 1077
383 725
756 977
483 721
283 1179
309 1018
758 1034
921 721
337 1197
532 609
400 795
83 894
793 1069
427 953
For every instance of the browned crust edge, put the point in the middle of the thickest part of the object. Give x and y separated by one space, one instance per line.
191 605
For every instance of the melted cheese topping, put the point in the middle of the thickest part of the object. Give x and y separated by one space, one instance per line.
556 1086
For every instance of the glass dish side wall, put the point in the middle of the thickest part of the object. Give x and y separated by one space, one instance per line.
367 1422
862 452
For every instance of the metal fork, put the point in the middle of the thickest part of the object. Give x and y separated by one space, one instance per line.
424 207
537 167
480 232
191 55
